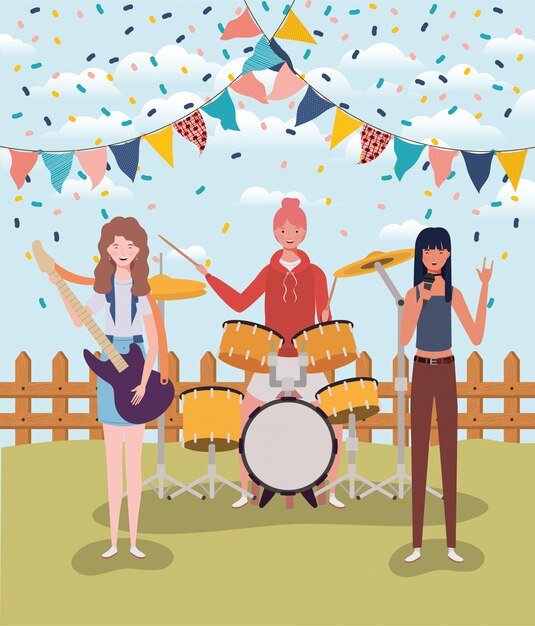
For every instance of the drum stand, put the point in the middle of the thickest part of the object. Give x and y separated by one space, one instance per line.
400 385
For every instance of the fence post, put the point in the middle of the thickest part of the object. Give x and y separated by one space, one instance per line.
208 368
97 432
23 406
173 434
474 375
363 367
395 401
511 374
60 375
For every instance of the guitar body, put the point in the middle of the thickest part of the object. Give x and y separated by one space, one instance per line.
157 398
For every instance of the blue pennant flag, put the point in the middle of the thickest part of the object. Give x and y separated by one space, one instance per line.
263 58
59 165
310 107
282 54
223 109
127 157
407 154
478 166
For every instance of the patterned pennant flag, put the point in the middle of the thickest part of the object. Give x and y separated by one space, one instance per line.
193 129
373 142
127 157
441 163
223 109
310 107
93 163
478 166
293 28
242 26
21 165
286 84
249 85
343 126
513 164
162 142
263 58
281 54
59 165
407 154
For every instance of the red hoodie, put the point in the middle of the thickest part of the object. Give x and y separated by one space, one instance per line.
293 299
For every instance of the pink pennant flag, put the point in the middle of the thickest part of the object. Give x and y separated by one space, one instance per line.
441 163
287 83
93 163
249 85
242 26
21 165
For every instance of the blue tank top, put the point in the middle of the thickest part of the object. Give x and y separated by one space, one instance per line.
433 332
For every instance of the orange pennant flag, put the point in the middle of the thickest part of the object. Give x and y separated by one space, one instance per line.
293 28
513 164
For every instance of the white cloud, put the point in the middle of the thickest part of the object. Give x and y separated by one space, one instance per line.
167 110
10 46
83 189
458 81
233 68
524 108
197 253
338 85
513 45
260 197
523 206
66 85
407 230
380 57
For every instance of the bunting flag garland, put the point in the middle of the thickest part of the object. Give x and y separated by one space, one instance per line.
294 29
373 142
193 128
343 126
162 142
242 26
311 106
513 164
223 109
127 157
263 57
249 85
478 166
93 163
286 84
59 165
282 54
441 161
21 165
407 154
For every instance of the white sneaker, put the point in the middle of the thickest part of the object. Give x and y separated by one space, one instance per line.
109 553
454 556
239 503
137 553
414 556
333 501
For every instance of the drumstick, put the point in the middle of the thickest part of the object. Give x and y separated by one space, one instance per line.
178 250
331 293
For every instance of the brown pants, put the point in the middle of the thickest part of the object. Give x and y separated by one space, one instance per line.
438 382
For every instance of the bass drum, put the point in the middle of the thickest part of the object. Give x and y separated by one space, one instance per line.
288 446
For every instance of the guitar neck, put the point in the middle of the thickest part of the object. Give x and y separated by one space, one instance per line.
111 351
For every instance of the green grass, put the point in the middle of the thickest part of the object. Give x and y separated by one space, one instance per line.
209 564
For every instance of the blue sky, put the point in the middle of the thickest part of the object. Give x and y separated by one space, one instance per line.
244 192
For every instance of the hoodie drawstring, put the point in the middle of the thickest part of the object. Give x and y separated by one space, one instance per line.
286 288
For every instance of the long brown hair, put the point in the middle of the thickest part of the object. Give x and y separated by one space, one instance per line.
130 229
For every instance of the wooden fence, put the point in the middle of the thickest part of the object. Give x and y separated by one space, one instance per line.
61 389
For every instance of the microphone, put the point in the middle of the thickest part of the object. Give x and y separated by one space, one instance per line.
429 279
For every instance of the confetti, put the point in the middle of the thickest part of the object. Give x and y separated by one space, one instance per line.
36 66
100 9
76 196
516 222
428 193
129 30
96 259
146 177
386 177
505 255
225 228
42 303
57 212
490 303
208 262
343 233
235 155
428 213
476 236
17 222
200 190
35 10
37 204
28 256
18 198
456 195
155 259
328 201
56 236
476 211
284 164
381 206
320 169
151 206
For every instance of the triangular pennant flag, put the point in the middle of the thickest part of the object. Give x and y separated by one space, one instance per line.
441 163
59 165
310 107
249 85
286 84
242 26
293 28
223 109
373 141
162 142
93 163
21 165
407 154
513 164
263 57
127 156
281 53
343 126
193 129
478 166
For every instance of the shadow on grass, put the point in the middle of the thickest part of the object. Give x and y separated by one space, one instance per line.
88 562
434 558
187 514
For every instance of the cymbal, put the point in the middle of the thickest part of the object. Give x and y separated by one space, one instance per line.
367 265
164 287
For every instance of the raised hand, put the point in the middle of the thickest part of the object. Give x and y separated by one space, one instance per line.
485 273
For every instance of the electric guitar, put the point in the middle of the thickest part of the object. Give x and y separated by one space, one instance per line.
123 371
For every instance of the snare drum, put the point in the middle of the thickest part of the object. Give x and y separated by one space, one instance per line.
353 395
211 415
246 345
329 345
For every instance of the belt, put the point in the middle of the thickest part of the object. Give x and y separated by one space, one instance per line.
443 360
135 338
